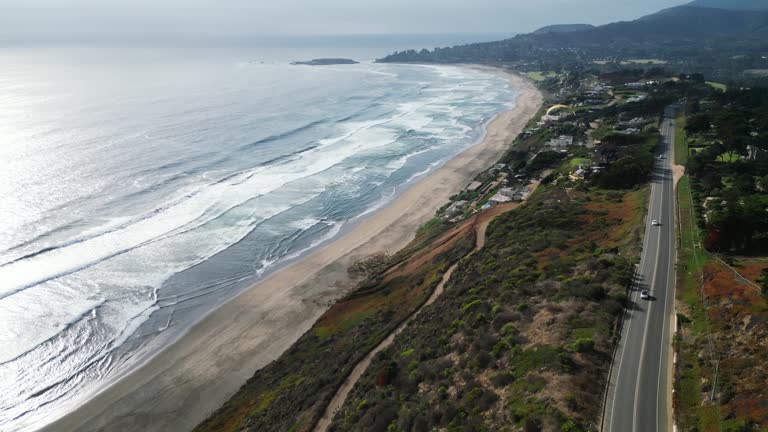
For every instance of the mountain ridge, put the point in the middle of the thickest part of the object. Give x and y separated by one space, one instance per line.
691 25
563 28
731 4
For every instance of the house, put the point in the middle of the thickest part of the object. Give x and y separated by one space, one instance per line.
508 194
634 122
560 142
514 194
455 208
474 186
520 195
547 119
577 175
489 186
498 198
498 167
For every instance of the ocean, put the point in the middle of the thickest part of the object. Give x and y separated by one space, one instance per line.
143 185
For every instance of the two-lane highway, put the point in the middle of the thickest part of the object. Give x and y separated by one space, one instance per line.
638 399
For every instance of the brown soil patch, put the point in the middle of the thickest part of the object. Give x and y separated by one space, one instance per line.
739 315
556 391
615 218
728 291
547 326
751 268
443 243
678 171
548 255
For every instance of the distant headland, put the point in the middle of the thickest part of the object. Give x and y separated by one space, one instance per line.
325 62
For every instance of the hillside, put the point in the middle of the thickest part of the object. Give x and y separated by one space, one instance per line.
522 337
563 28
732 4
691 22
717 42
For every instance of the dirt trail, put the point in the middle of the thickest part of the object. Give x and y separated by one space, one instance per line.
480 222
343 391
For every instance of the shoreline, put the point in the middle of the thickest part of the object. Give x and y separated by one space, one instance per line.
182 384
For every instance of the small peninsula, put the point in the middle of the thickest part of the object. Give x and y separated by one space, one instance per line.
325 62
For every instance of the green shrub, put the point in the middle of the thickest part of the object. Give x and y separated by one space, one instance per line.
501 348
570 426
469 305
508 329
583 345
502 379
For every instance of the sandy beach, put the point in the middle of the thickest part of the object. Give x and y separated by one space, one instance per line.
183 384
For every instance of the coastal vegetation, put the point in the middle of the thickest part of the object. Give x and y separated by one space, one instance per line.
292 392
523 334
541 76
722 301
728 169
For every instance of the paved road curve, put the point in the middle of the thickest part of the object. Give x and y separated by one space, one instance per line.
638 398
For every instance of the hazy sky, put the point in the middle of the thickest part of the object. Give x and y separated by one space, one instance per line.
92 18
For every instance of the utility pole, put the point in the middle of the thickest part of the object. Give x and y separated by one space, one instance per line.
714 381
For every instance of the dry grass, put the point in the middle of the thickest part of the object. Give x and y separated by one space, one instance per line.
751 267
622 219
739 317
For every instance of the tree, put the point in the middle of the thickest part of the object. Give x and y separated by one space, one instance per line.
733 129
698 123
763 281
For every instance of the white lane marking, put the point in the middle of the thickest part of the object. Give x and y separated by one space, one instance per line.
645 339
662 368
647 316
623 339
664 332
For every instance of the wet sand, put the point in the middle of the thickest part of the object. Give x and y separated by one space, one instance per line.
183 384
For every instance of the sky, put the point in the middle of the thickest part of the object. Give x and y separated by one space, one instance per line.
36 19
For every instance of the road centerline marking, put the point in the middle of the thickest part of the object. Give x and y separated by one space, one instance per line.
632 295
648 312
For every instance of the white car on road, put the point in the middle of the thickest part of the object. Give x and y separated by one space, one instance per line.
655 222
645 295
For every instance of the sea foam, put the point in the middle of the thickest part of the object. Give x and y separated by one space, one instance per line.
137 218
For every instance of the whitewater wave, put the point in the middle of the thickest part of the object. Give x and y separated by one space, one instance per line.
193 204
